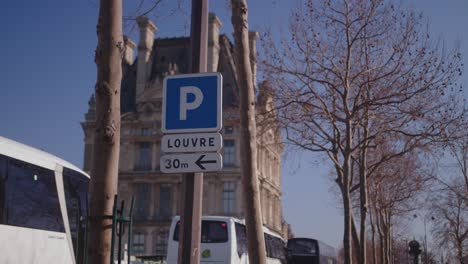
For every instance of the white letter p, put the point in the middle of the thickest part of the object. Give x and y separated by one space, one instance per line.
184 104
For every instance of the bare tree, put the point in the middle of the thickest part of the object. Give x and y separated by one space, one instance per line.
450 203
353 74
157 10
450 227
394 191
256 245
459 150
103 185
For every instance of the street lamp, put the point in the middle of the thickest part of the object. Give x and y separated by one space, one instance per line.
425 237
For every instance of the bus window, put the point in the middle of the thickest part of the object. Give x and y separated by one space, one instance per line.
31 197
2 186
76 189
305 246
241 239
212 232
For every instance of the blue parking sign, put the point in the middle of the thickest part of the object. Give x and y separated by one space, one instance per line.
192 103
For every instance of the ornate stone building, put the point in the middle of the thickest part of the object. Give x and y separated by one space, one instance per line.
157 194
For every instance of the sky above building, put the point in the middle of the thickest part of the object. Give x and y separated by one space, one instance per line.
48 74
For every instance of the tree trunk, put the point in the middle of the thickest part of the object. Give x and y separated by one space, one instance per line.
363 196
363 183
387 237
253 216
381 236
103 185
345 192
356 242
348 256
374 257
460 251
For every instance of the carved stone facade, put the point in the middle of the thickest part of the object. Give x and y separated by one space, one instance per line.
157 194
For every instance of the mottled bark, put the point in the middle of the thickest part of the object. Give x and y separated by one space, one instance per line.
103 185
256 245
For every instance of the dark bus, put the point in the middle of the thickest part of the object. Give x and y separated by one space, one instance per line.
310 251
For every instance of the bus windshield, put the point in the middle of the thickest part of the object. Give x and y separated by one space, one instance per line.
212 232
302 246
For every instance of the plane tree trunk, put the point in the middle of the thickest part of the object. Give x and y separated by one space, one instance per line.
103 185
253 215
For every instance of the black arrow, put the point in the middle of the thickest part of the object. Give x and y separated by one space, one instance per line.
200 162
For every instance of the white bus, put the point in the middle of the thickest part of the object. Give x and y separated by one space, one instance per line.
224 240
43 207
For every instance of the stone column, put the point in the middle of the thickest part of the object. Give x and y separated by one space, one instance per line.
214 24
239 198
270 208
177 202
212 195
145 47
263 204
128 53
174 197
253 35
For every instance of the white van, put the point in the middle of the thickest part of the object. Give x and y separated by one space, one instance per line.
224 240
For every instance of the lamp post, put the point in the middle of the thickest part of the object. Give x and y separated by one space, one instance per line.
425 237
406 251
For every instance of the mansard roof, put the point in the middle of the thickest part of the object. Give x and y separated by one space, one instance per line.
128 88
172 56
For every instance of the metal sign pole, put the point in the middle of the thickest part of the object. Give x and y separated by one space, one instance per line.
192 183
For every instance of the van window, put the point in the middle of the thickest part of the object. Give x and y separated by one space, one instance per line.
212 232
30 197
76 196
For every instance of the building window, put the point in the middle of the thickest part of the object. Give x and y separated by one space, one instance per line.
144 157
229 197
142 198
165 207
228 130
229 157
146 131
138 243
161 243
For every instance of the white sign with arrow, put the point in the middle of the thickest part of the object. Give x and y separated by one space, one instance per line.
199 162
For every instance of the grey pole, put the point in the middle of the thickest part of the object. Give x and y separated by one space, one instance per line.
192 183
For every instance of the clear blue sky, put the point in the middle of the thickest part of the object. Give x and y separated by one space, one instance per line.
48 74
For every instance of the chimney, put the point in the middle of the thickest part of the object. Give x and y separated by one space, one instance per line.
253 35
147 29
214 24
128 52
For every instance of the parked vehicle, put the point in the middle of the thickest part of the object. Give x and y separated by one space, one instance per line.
224 240
43 207
310 251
